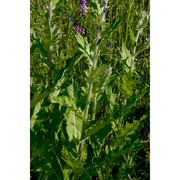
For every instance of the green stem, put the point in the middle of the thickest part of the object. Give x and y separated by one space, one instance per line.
50 47
94 108
88 101
50 70
86 111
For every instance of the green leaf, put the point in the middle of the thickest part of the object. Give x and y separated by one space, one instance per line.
133 38
70 91
142 25
139 144
100 77
147 46
128 128
102 134
74 163
80 40
38 98
85 48
34 116
111 96
110 29
74 125
55 164
127 58
127 84
95 128
96 6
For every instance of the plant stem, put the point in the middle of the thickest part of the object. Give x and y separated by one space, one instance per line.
50 47
95 61
88 101
86 111
94 108
50 70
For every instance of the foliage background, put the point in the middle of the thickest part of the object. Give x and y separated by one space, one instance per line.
117 129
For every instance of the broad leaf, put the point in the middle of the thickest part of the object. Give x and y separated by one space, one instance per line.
74 125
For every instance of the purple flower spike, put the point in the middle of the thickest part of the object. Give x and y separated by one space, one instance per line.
83 6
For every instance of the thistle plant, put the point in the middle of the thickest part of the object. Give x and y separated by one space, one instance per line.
94 58
89 90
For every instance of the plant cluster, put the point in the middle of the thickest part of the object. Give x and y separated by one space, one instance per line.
89 89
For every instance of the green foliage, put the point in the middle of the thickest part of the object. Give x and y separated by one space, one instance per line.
89 92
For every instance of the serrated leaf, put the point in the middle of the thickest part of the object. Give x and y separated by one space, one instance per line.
133 38
126 56
75 164
38 98
102 133
100 78
74 125
34 116
80 40
70 90
142 26
128 128
85 48
64 100
127 84
139 144
111 96
95 128
83 42
96 6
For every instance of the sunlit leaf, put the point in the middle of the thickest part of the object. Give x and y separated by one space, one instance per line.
74 125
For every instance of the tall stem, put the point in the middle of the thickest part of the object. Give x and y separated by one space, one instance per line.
95 61
50 70
50 47
86 111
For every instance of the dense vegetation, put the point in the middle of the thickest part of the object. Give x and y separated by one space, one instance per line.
90 89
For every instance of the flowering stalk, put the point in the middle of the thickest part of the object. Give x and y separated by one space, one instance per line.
50 48
95 59
77 27
83 7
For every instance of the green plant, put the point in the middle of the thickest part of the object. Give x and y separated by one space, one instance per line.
89 89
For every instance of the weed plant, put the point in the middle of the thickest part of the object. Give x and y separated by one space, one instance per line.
89 89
